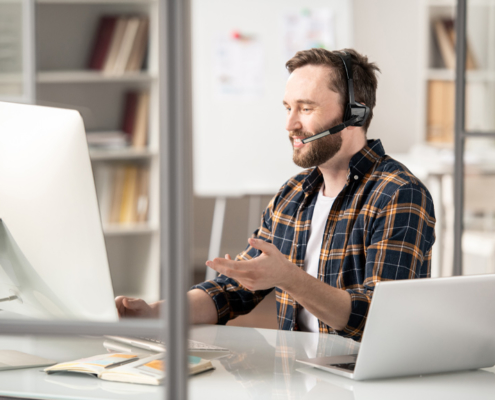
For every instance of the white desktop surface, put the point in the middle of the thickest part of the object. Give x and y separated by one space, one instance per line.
261 366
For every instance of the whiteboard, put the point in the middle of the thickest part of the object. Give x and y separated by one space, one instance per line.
240 145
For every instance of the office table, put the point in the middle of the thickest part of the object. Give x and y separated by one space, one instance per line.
261 365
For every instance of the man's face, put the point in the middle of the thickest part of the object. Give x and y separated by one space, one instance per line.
312 108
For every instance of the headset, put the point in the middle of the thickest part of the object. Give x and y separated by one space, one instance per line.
355 114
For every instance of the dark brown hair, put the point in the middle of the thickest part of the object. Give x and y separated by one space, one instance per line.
364 75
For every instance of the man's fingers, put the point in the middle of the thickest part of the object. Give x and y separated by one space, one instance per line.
134 304
120 305
232 269
259 244
227 256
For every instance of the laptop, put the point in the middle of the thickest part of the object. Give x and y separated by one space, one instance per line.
423 326
159 346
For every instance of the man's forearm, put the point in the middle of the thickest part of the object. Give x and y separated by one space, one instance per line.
327 303
202 309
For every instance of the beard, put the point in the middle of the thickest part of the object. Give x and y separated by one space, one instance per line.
317 152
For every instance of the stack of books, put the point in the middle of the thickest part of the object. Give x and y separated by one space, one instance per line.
135 122
445 36
123 193
120 44
107 140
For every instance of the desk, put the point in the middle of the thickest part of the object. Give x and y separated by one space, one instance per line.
262 366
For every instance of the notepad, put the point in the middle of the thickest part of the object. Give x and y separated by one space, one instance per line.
131 368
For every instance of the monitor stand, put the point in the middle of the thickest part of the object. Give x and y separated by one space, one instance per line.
22 290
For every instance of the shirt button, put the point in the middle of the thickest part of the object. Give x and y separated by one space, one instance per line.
356 177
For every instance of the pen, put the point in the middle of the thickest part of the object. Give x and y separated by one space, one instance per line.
122 363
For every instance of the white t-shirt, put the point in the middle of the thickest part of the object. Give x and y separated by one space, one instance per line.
307 321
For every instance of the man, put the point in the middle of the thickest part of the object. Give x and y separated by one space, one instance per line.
354 217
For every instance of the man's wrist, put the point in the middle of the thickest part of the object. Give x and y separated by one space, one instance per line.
291 277
155 308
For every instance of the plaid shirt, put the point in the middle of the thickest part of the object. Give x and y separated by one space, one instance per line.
380 228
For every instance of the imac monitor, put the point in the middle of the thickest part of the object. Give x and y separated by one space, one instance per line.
53 261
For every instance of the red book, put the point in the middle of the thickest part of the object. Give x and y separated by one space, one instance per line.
101 43
130 109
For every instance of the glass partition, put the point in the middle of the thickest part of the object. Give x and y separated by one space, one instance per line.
474 177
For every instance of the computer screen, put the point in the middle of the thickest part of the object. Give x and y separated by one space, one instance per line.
50 219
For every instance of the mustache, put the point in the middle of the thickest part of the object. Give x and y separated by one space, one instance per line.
302 134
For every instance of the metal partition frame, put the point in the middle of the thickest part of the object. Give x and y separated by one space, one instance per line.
176 197
176 184
460 133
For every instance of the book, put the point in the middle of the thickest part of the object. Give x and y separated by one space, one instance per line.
129 117
140 132
117 191
139 46
440 112
126 45
114 49
101 42
124 193
445 45
130 368
128 208
142 195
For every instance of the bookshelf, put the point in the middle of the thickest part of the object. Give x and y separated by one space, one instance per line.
90 77
62 47
437 88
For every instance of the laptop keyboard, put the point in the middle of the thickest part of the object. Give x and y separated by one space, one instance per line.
193 345
347 366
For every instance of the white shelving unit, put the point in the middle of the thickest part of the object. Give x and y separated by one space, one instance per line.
64 32
480 102
480 89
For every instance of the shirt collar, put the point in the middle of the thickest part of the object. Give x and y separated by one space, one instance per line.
360 164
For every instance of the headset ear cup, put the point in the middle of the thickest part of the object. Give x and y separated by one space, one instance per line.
361 112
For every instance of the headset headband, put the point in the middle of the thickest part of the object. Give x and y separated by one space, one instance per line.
346 59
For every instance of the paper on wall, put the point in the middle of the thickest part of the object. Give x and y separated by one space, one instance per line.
307 29
238 68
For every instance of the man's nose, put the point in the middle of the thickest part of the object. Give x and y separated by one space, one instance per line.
293 123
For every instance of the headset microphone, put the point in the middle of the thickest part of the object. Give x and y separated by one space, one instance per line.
355 114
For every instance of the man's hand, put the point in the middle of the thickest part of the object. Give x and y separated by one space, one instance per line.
136 308
202 309
268 270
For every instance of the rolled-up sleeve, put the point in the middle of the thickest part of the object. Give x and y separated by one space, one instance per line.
399 247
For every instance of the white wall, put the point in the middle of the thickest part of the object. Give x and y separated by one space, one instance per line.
389 33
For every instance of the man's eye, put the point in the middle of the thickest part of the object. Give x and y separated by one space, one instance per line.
306 109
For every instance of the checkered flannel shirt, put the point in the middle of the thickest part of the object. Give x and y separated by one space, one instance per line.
380 228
